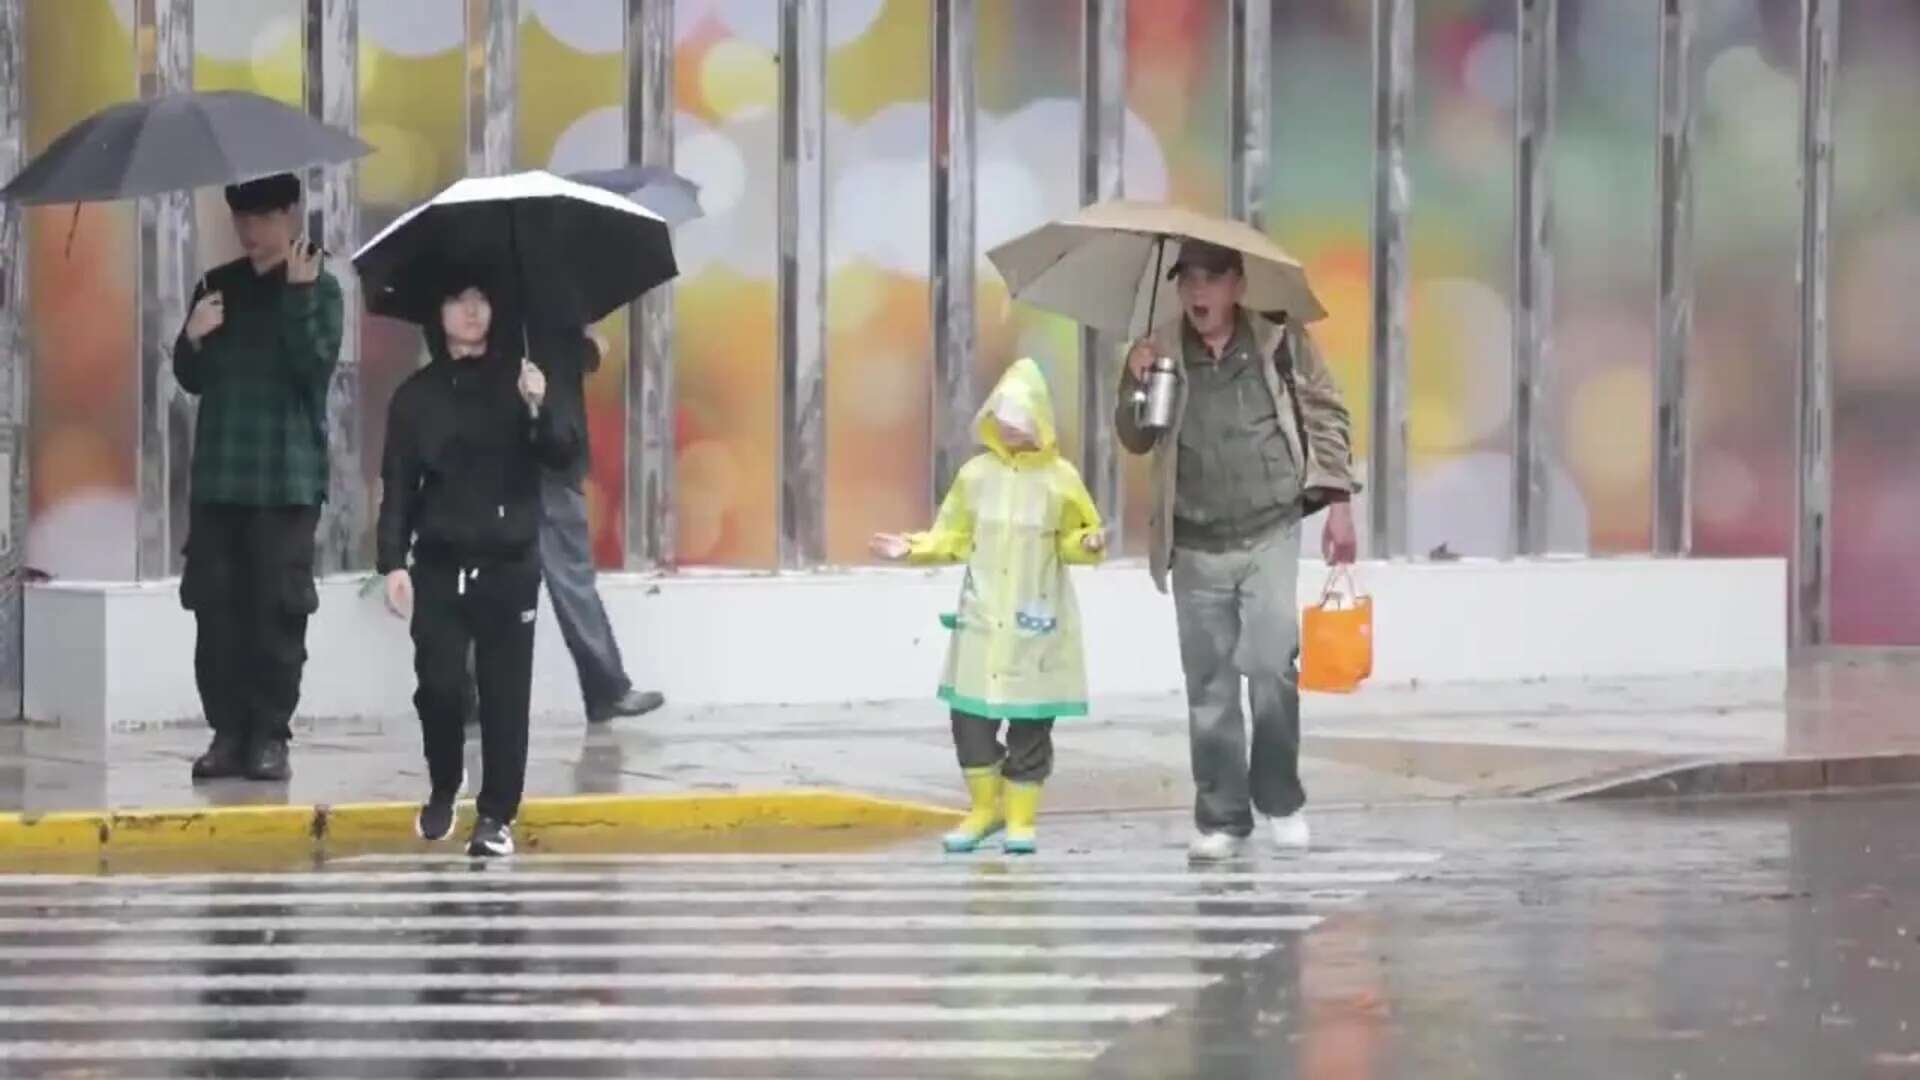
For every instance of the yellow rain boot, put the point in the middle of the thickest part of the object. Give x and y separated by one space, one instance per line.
1023 805
984 785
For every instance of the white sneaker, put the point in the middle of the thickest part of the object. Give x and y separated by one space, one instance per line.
1289 833
1215 847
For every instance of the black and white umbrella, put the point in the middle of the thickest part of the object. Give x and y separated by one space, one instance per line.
572 253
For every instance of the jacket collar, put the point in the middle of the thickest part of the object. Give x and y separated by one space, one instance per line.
1169 337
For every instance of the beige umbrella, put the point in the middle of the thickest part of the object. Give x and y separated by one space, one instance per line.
1106 266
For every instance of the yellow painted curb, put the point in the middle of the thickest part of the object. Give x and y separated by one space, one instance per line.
797 809
363 824
368 823
65 832
210 825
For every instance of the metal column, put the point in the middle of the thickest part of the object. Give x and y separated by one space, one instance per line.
1103 116
1393 23
650 526
15 361
1249 98
803 283
331 49
493 61
1672 502
953 214
1532 272
164 60
1811 602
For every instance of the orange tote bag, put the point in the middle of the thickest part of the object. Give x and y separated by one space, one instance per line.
1336 637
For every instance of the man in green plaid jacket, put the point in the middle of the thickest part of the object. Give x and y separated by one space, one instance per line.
259 350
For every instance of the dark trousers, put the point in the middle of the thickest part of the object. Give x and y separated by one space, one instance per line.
1026 759
249 584
566 561
490 610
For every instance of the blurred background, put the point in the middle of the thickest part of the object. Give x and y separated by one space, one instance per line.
81 57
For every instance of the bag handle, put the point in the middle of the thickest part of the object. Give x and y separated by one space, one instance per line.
1336 575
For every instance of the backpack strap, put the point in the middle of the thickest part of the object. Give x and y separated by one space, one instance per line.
1311 502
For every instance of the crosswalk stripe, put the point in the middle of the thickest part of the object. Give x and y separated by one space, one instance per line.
554 1050
387 924
1354 857
742 963
1128 951
777 897
972 875
590 1013
748 981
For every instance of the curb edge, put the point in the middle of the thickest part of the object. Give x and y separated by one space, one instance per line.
317 827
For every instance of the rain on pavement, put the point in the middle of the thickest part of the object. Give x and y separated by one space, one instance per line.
1761 938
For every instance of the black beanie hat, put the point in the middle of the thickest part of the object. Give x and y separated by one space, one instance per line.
276 192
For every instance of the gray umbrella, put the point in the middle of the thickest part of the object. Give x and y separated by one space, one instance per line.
175 142
673 197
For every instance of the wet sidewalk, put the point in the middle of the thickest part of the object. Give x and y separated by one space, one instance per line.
1385 744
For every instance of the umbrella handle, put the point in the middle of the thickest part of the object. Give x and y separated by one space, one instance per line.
73 229
520 295
1153 290
526 353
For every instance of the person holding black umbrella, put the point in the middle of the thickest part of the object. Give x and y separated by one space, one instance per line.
258 349
564 255
467 439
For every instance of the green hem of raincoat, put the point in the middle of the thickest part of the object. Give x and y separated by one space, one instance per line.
1045 710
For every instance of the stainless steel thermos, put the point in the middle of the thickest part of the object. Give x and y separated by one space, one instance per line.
1153 399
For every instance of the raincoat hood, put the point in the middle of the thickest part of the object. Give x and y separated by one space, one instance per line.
1020 400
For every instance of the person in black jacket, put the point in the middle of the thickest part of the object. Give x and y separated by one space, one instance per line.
467 438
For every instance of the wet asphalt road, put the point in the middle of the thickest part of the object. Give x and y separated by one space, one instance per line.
1776 938
1752 938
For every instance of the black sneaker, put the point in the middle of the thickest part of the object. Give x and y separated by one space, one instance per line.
227 756
435 820
631 703
268 761
491 839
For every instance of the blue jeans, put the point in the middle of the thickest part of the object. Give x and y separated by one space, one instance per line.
1239 625
566 562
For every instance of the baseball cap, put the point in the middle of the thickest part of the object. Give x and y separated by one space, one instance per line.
1202 255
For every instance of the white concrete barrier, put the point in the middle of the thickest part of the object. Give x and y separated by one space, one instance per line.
108 656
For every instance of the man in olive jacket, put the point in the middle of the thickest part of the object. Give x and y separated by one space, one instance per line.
1259 439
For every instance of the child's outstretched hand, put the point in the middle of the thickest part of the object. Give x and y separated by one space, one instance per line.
1094 542
890 546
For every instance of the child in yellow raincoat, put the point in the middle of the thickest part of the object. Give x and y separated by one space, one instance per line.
1018 516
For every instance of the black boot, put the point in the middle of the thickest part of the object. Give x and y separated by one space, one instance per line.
225 757
268 761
